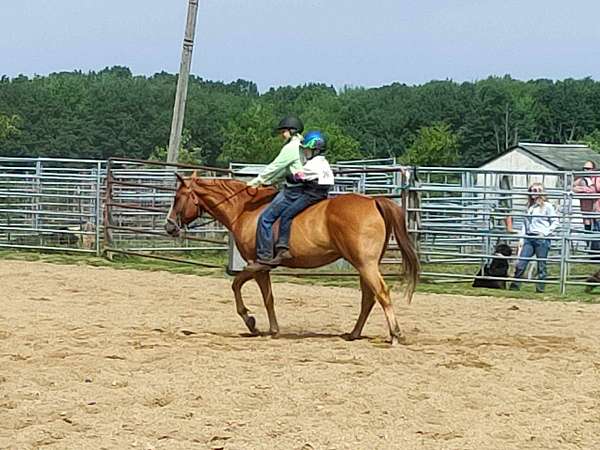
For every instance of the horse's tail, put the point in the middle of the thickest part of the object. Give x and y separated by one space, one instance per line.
393 215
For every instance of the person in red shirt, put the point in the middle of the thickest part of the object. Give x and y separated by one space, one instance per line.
590 206
588 185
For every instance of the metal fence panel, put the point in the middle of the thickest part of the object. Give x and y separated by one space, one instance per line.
50 204
456 215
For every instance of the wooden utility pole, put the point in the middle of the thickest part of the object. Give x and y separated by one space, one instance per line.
182 82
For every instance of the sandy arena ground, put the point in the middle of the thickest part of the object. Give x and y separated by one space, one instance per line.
101 358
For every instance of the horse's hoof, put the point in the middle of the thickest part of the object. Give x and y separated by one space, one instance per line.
396 340
250 322
350 337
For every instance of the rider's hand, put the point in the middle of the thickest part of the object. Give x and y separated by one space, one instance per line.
299 176
254 182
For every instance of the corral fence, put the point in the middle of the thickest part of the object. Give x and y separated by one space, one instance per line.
51 204
138 198
456 215
463 215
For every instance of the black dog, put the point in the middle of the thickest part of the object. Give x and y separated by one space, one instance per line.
595 278
498 267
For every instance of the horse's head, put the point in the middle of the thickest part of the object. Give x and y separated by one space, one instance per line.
185 208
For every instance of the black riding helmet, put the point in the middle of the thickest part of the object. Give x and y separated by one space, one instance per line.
291 123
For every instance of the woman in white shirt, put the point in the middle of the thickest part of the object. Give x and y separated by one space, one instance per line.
539 223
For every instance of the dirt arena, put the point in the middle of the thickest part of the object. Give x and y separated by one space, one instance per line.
101 358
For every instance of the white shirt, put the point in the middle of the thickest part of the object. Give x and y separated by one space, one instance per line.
540 220
318 168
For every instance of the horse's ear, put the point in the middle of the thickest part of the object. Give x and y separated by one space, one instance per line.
180 178
194 174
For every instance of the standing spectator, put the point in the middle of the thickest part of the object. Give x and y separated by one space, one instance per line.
540 222
588 184
590 207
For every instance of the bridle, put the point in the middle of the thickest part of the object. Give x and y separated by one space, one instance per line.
178 223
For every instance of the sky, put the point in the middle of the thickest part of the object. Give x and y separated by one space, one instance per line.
366 43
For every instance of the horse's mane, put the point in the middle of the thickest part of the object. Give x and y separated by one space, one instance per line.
230 187
263 196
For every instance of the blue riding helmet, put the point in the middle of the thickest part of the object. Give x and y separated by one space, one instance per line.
315 141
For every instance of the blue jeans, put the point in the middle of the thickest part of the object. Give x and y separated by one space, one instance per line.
308 197
539 248
594 246
264 229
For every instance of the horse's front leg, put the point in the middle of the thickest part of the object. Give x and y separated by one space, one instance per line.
239 280
264 283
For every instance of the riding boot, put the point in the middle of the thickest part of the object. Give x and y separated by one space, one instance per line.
282 255
259 266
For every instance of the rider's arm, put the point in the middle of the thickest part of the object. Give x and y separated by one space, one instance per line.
554 223
288 155
582 186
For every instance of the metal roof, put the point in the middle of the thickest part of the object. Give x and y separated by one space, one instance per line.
561 156
557 156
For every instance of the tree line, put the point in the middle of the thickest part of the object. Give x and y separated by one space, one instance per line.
114 113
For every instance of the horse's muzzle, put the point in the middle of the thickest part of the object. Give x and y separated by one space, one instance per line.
172 228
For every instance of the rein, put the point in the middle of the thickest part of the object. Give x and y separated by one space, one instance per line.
203 224
197 203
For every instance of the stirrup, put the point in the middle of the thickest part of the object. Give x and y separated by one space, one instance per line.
258 266
282 255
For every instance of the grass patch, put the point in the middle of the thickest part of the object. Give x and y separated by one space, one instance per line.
121 261
574 293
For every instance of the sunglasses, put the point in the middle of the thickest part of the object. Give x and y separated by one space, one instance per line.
588 168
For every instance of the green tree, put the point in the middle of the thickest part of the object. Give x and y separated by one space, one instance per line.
593 140
113 112
434 145
341 146
9 125
250 137
187 154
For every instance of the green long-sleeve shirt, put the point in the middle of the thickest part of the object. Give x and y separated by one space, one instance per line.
288 161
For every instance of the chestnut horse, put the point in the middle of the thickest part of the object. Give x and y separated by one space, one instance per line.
350 226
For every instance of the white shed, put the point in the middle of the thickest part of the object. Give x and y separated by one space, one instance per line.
541 158
527 163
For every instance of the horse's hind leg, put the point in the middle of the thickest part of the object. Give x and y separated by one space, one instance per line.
367 302
264 283
239 280
373 279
